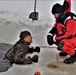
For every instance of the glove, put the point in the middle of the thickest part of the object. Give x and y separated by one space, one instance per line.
28 60
31 50
50 39
35 58
37 49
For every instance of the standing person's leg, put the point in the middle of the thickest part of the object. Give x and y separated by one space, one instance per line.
68 46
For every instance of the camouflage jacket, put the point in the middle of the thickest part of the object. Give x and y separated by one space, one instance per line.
17 53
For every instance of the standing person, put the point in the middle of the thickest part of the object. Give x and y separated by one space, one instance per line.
17 54
65 30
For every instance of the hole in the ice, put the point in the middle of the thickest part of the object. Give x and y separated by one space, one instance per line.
52 66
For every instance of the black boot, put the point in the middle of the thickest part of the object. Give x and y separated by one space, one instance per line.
71 59
63 53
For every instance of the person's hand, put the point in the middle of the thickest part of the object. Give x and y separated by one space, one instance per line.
35 58
30 50
50 39
28 60
37 49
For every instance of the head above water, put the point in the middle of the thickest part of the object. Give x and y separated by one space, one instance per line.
26 36
57 10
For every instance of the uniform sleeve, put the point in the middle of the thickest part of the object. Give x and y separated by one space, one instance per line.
19 57
70 30
60 29
53 30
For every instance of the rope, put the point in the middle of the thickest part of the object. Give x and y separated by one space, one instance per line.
44 46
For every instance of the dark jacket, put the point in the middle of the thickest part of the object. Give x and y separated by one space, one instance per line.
18 52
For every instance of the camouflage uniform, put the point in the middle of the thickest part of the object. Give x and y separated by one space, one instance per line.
18 52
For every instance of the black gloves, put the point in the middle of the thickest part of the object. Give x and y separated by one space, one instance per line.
50 36
31 50
35 58
50 39
36 49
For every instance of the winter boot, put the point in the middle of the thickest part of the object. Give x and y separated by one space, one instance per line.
62 53
71 59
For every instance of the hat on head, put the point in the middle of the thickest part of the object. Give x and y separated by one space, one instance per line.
57 8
